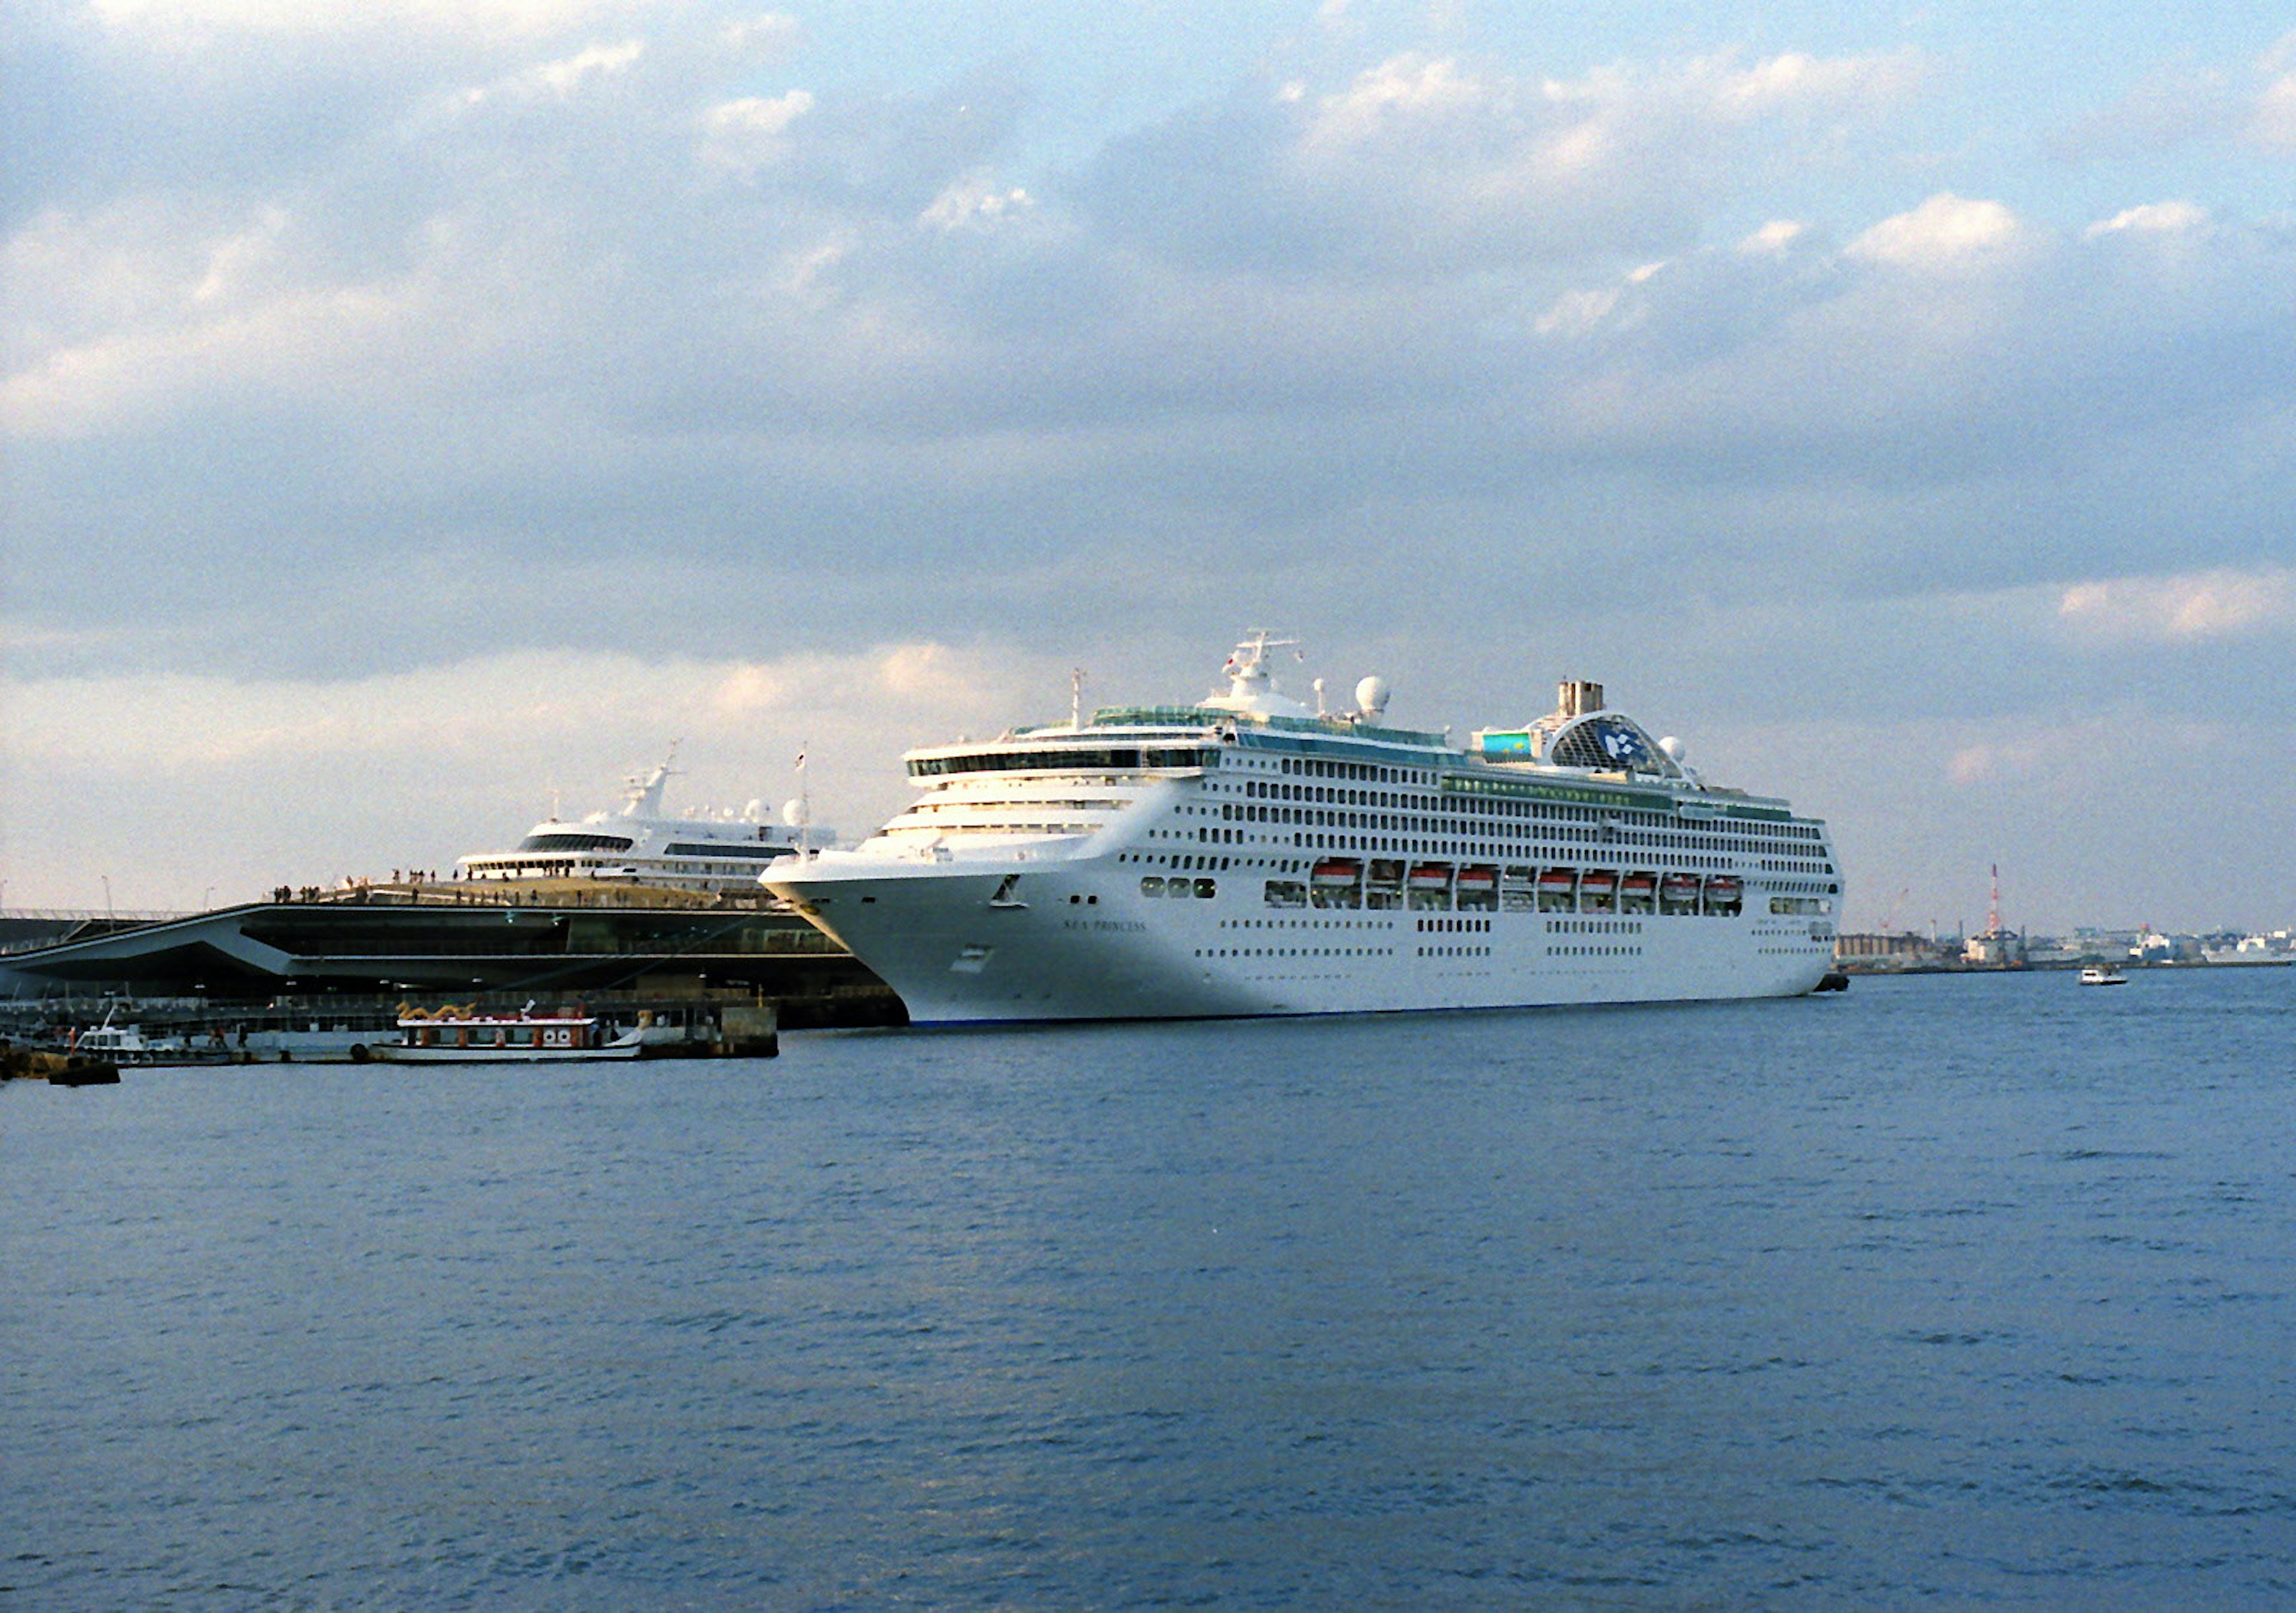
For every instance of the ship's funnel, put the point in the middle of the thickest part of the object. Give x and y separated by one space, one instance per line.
1575 698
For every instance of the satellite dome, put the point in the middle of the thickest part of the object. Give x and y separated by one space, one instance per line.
1673 747
794 813
1370 696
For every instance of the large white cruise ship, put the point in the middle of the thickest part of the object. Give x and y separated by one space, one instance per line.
641 844
1246 856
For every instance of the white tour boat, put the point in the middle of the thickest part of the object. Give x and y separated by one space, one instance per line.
1244 855
641 844
463 1035
128 1044
2102 974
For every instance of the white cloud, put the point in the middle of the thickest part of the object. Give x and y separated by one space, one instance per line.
1577 313
564 78
560 80
1426 161
746 134
238 264
1774 237
2150 218
2195 607
416 767
1795 83
1945 233
130 312
973 201
1401 92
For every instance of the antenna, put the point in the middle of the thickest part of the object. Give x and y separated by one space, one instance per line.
798 814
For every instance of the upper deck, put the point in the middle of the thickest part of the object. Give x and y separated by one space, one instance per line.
1067 783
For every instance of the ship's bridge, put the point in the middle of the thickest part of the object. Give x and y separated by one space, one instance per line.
1037 784
1059 753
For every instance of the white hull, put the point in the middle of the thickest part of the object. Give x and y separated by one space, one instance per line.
935 938
392 1053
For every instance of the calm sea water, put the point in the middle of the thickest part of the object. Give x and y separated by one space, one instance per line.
1949 1292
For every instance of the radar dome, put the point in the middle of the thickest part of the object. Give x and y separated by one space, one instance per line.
1673 747
794 813
1370 696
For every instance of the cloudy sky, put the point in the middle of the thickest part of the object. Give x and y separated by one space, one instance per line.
420 411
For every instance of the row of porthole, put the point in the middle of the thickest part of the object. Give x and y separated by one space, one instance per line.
1295 952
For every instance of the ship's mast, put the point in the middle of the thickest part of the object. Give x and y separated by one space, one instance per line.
644 798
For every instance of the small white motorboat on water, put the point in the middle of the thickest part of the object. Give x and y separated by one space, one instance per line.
128 1044
2102 974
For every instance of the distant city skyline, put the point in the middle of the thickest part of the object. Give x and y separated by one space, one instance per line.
413 411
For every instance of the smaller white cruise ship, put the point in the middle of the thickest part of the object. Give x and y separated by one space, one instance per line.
639 843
